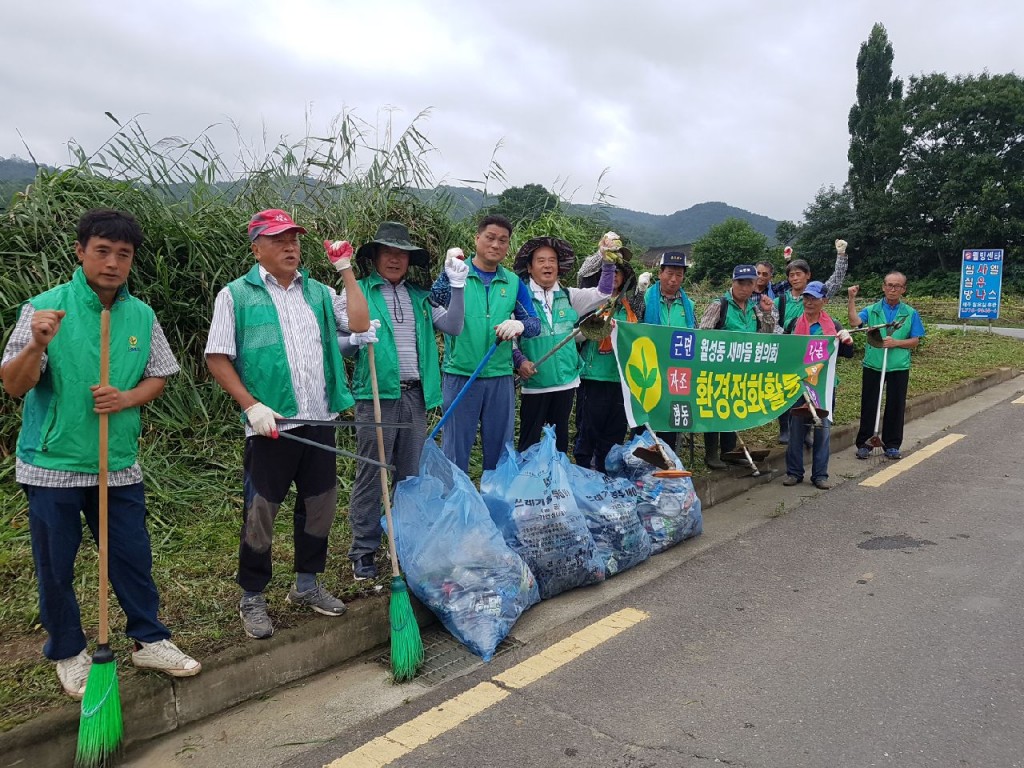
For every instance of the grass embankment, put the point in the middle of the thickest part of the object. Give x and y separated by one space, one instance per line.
196 514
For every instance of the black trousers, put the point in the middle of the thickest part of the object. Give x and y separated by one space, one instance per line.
545 408
600 422
270 468
895 406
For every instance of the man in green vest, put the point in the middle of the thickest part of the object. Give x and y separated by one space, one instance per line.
549 389
737 310
406 366
790 302
53 359
498 308
895 351
666 303
273 347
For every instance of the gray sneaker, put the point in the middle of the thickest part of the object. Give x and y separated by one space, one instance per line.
255 620
319 599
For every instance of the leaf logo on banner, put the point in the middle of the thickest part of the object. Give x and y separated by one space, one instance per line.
642 373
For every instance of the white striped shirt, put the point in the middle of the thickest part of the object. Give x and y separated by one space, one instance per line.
403 324
302 343
161 364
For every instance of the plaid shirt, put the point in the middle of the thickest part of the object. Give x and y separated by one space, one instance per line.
161 364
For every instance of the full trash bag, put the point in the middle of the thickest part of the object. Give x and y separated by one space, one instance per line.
668 507
533 505
455 559
609 505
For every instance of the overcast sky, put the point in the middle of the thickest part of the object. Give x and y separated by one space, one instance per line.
683 102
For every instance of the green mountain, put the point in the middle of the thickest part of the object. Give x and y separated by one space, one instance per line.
646 229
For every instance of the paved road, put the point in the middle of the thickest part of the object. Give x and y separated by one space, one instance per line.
858 627
1015 332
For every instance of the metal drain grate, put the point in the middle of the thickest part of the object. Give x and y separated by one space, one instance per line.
444 657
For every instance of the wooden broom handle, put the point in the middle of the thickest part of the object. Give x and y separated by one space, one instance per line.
385 487
104 428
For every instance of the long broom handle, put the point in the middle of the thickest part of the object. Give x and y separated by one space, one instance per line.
103 468
881 386
385 487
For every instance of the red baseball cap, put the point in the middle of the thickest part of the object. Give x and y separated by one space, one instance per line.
271 222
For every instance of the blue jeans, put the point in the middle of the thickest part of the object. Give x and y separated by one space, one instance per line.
489 404
819 453
55 523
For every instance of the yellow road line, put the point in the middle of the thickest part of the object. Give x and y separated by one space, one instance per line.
402 740
1019 400
894 470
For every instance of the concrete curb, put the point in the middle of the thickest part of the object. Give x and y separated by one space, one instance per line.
154 705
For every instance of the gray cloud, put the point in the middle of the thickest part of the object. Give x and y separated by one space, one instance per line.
738 101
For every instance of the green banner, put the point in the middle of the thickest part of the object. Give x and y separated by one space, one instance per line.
685 380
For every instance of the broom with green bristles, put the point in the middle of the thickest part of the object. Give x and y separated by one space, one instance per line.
406 643
100 728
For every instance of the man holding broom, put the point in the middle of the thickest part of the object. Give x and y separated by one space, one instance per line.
53 360
406 367
273 347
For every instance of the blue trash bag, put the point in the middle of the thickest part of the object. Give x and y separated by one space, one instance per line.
609 504
455 559
535 510
668 507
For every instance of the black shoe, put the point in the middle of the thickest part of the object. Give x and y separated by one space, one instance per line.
790 480
364 568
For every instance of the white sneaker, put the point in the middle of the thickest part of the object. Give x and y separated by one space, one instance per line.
165 656
73 674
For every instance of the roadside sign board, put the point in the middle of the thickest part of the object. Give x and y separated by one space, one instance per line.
981 283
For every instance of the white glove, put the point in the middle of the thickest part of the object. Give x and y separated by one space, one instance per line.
841 247
844 336
369 336
340 254
261 419
456 269
643 282
787 253
610 246
509 329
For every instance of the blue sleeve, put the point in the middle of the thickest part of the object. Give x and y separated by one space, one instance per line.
525 313
863 315
441 291
916 326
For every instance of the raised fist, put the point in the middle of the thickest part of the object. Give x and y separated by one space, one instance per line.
45 324
852 291
610 246
841 247
339 253
456 269
787 253
643 282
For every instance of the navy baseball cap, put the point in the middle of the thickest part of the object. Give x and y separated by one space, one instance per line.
815 288
744 272
674 259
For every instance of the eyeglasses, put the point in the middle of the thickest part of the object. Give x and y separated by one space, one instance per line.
895 286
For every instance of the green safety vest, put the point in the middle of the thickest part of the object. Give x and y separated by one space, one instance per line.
564 366
789 308
732 318
260 357
59 429
484 310
600 365
386 353
898 358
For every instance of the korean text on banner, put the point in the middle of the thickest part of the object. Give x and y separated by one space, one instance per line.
718 381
